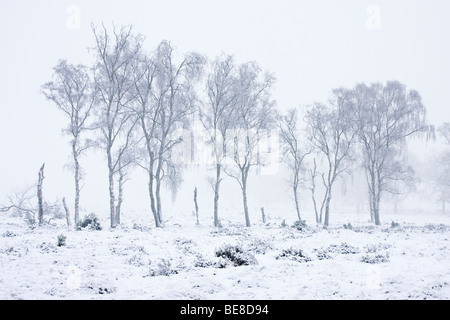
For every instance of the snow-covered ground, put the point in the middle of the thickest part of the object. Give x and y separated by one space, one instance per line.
138 261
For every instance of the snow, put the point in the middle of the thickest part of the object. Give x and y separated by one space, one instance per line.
138 261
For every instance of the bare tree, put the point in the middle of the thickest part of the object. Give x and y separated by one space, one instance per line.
254 114
73 93
147 111
114 83
444 132
217 116
293 152
176 99
196 204
23 204
441 174
313 176
330 133
66 209
386 115
165 98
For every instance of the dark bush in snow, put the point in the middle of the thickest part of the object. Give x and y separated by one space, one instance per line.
395 224
435 228
236 255
202 262
372 248
300 225
322 254
348 226
47 247
343 248
375 258
293 254
61 240
91 222
101 289
8 234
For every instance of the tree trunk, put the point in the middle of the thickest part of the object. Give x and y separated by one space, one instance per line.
196 204
263 215
152 196
39 195
158 198
244 198
327 209
66 209
120 195
315 205
371 206
297 206
158 184
77 182
112 197
376 212
216 196
313 190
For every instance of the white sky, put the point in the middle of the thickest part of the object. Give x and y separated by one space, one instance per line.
311 46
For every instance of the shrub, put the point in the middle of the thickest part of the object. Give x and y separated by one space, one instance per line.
61 240
343 248
377 258
260 246
202 262
8 234
162 268
348 226
90 221
300 225
395 224
293 254
322 254
372 248
236 255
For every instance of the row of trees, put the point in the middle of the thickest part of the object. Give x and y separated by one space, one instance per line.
132 104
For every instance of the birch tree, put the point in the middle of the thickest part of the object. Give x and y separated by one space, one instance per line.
254 114
440 173
217 116
444 132
115 52
165 98
73 92
294 152
386 115
330 133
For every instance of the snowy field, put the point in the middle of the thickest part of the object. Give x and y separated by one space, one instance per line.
408 259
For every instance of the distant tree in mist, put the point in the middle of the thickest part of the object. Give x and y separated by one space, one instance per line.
73 92
330 133
442 176
386 115
444 132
